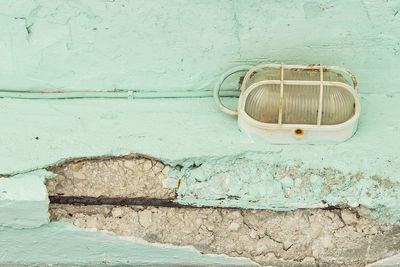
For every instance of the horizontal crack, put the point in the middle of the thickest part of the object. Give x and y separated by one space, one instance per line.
115 201
124 201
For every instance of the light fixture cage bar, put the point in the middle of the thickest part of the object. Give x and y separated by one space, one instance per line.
321 95
281 97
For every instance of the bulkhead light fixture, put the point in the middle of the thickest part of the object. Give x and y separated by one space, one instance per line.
295 103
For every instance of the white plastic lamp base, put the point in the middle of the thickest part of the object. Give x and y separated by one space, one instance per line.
302 113
299 133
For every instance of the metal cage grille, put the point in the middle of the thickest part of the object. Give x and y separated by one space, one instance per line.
292 94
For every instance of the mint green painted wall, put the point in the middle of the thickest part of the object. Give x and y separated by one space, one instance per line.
184 45
27 237
171 45
194 131
62 243
23 200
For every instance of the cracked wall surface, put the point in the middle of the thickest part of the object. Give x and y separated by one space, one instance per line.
304 237
252 180
316 237
179 47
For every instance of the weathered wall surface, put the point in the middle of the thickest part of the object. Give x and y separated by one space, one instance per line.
179 45
27 238
136 203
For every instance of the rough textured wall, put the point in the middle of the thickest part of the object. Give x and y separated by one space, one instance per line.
184 45
180 46
128 196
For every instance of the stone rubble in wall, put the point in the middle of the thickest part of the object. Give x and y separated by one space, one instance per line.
309 237
130 176
297 238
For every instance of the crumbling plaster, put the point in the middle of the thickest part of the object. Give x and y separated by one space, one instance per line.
298 238
166 46
327 236
363 170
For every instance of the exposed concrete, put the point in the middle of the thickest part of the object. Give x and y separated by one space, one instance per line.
127 176
305 237
188 53
298 238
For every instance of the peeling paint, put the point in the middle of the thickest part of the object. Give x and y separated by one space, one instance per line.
259 181
203 143
175 46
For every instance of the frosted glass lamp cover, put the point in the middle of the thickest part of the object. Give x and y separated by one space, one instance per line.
297 104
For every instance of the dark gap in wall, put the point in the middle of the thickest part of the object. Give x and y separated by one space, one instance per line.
115 201
121 201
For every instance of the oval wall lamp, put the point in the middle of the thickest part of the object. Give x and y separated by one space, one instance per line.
295 103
